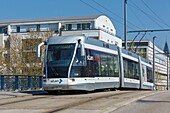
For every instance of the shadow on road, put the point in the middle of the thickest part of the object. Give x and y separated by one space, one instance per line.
153 101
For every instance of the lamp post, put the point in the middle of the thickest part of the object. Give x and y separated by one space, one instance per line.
167 73
154 62
125 23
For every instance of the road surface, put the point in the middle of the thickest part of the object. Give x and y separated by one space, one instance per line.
98 102
159 103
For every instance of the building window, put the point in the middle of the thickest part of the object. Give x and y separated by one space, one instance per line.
17 29
25 28
86 26
74 27
1 29
79 27
44 27
83 26
116 43
68 26
48 27
38 27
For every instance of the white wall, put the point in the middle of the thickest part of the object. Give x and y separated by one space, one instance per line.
110 38
105 23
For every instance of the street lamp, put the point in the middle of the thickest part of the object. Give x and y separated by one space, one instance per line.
167 73
154 62
125 23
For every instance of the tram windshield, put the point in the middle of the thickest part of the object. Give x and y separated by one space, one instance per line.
58 60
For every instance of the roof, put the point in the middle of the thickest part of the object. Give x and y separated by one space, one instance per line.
166 48
49 19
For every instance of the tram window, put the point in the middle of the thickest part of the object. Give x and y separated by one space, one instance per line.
110 65
116 66
106 64
131 69
125 64
149 74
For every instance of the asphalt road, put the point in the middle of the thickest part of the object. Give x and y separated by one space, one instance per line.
159 103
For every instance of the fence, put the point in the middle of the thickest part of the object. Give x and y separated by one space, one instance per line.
20 82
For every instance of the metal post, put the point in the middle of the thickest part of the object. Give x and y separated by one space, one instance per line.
29 82
154 62
16 82
125 23
167 73
2 82
40 82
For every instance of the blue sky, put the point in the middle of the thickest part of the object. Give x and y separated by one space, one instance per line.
142 14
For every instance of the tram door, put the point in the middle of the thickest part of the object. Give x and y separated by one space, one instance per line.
91 70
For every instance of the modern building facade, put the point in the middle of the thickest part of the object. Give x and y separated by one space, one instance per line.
99 27
145 49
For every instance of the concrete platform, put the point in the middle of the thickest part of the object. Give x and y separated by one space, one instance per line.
5 94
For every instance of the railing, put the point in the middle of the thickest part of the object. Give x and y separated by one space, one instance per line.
20 82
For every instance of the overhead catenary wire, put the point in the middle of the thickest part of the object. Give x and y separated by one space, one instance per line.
132 43
140 41
137 17
149 16
104 13
160 19
114 13
98 10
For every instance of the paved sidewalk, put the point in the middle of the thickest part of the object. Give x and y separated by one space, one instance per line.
6 94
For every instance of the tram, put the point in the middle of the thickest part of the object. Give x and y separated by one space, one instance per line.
84 63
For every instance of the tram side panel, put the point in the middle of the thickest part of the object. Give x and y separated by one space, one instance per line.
147 75
104 68
134 71
129 70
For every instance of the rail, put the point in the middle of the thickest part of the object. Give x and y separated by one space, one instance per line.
9 82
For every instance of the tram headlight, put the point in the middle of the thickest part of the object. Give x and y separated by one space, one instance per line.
75 74
44 76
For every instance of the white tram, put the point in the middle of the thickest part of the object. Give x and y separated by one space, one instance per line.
83 63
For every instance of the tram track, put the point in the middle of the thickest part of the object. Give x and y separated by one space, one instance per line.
100 101
71 105
22 100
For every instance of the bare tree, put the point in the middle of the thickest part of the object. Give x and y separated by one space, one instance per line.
34 65
19 54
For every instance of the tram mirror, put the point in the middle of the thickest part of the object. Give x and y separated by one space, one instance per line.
38 49
82 50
